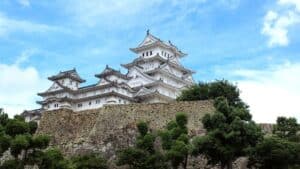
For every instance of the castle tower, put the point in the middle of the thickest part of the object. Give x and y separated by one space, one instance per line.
61 93
157 72
155 75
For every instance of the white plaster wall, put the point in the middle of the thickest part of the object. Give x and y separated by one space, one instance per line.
166 91
69 83
165 53
97 103
115 78
150 65
168 80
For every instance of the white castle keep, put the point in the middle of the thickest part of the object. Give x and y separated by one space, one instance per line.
156 75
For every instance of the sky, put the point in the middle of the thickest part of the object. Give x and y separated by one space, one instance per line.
254 44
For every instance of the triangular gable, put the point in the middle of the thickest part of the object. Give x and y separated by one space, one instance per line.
143 91
54 87
102 81
138 78
166 67
135 71
149 39
174 60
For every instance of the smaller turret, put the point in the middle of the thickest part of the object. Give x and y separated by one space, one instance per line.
69 79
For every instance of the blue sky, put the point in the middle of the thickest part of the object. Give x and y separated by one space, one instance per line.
253 43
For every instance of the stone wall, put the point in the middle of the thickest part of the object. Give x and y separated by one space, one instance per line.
113 127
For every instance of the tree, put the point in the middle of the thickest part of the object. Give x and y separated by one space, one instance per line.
280 150
175 141
213 90
143 155
275 153
89 161
230 134
52 159
287 128
27 148
9 164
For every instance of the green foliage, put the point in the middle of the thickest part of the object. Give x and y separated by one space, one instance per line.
213 90
175 141
4 143
27 149
146 142
16 127
12 164
143 155
287 128
142 128
181 120
19 143
89 161
53 159
230 134
40 141
275 153
3 118
280 151
135 158
32 127
19 118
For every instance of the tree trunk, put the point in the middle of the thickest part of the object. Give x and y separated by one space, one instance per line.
229 165
185 161
223 166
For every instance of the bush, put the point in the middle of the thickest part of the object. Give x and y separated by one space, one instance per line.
19 143
89 161
16 127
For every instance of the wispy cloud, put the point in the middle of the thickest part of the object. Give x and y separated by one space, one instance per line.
25 56
130 13
25 3
277 22
8 25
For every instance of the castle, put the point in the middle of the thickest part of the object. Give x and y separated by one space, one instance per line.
156 75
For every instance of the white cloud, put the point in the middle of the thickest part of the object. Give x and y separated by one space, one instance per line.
295 3
25 3
271 93
8 25
277 22
18 86
25 56
126 13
